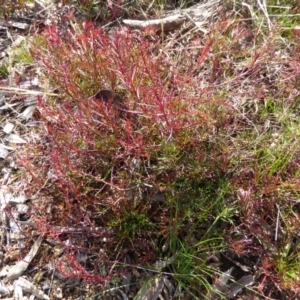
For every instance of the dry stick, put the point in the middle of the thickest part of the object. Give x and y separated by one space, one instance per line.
14 90
168 23
199 13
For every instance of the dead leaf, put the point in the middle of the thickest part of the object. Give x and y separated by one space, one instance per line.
8 128
220 286
236 287
28 112
15 139
16 270
151 289
5 290
28 287
3 151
